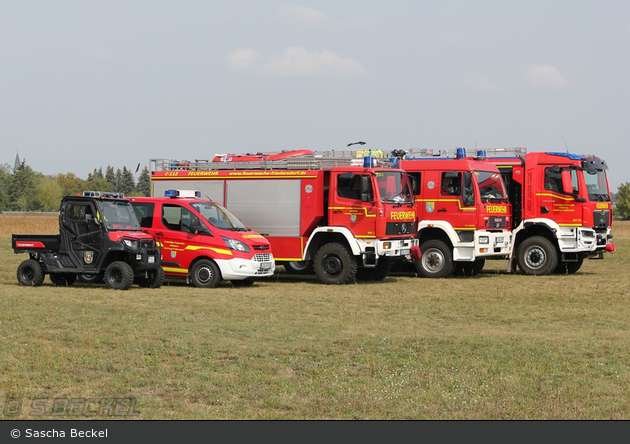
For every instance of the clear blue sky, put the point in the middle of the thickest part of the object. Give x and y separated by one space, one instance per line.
89 83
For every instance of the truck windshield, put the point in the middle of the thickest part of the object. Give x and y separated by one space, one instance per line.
393 187
118 215
491 186
219 216
596 184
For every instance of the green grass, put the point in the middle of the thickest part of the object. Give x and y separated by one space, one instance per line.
496 346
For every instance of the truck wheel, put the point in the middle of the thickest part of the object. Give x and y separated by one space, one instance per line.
299 267
153 279
436 260
378 273
205 274
537 256
62 279
569 267
119 275
91 278
469 268
30 273
334 264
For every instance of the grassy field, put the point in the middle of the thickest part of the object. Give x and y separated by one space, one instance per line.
496 346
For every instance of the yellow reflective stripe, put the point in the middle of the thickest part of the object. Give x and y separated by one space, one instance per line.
216 250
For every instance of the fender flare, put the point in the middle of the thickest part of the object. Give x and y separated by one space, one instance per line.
322 231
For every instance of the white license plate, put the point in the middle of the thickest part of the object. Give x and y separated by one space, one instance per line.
405 252
151 259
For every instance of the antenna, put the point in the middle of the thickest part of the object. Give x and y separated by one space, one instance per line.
565 145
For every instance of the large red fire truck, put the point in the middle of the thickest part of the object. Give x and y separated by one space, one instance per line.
463 211
320 214
562 210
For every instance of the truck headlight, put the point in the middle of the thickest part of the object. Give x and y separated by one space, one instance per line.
131 243
236 245
484 240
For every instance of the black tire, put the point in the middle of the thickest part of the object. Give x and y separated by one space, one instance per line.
436 260
378 273
334 264
91 278
537 256
119 275
569 267
205 274
30 273
243 283
62 279
299 267
469 268
153 279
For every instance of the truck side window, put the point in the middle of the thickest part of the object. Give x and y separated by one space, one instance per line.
451 184
553 179
349 186
416 180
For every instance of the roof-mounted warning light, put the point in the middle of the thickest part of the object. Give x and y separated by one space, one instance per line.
104 194
460 153
183 193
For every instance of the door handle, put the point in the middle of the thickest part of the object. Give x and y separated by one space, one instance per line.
441 210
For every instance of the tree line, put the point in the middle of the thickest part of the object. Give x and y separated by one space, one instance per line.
22 189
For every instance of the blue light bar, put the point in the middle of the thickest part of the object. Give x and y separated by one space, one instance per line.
183 193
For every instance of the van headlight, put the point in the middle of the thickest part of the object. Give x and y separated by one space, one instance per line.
235 245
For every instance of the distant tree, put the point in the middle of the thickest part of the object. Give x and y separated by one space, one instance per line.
622 208
21 187
127 182
5 171
100 184
96 174
118 180
48 195
71 184
144 182
110 176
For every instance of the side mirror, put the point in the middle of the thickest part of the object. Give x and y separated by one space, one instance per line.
198 228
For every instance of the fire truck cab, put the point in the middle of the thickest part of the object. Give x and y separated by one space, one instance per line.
562 208
202 241
463 211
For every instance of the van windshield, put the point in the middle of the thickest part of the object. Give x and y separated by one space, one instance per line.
219 216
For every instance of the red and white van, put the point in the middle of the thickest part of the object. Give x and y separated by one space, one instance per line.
203 241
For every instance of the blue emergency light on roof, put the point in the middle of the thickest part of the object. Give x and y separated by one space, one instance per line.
183 193
103 194
460 153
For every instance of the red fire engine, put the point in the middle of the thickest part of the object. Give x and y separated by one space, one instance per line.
320 214
562 210
463 211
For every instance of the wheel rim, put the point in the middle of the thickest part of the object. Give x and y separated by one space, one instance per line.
28 274
433 260
116 276
535 257
299 265
204 274
332 265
